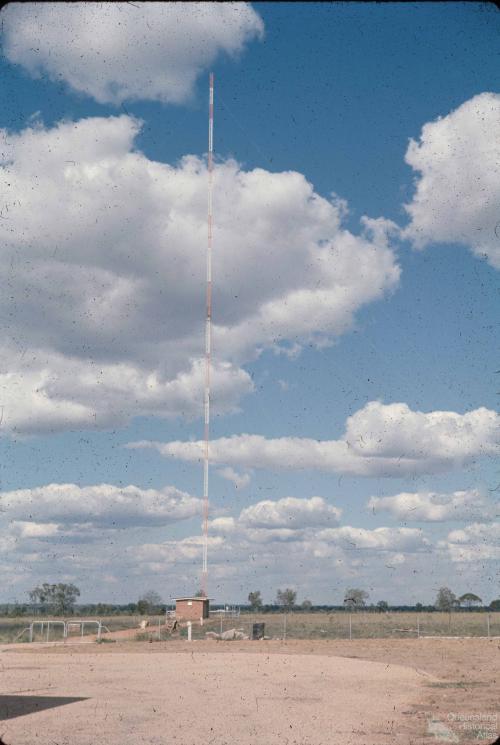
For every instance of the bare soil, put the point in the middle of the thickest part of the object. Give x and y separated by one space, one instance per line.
331 692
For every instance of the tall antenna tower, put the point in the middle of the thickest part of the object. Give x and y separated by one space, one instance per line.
208 337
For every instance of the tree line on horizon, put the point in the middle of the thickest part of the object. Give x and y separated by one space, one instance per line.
61 599
356 598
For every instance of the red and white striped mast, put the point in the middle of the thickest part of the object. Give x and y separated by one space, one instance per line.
208 338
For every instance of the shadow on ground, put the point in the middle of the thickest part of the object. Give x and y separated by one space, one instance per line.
18 706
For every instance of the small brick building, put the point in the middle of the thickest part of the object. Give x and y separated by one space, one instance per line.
192 609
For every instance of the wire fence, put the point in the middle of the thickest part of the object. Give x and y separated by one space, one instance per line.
356 625
290 625
43 628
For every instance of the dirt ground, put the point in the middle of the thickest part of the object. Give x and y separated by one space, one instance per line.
335 692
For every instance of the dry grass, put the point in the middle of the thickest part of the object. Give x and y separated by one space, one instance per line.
298 625
10 628
364 625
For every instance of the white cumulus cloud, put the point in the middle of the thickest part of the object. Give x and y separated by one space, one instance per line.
379 539
434 506
266 545
240 480
45 508
475 543
282 520
120 51
379 439
103 284
457 195
290 512
312 524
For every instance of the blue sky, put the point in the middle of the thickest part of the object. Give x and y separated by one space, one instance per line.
334 92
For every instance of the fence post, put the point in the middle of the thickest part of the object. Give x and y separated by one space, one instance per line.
31 631
284 626
189 630
488 624
350 625
418 627
48 630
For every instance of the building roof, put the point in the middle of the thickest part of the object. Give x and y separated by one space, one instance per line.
198 598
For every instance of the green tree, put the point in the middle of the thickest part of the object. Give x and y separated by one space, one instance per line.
149 603
383 606
255 600
286 598
306 605
65 598
469 600
104 609
17 610
59 598
495 605
355 598
446 600
42 596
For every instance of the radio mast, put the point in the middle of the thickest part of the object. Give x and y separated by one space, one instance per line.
208 338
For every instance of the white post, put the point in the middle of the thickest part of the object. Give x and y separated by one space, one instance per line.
31 631
159 628
350 625
418 627
488 624
221 623
189 630
48 630
284 626
99 628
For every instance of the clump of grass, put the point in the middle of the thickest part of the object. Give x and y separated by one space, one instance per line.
142 636
458 684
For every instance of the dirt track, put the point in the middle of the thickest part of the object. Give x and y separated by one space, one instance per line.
244 693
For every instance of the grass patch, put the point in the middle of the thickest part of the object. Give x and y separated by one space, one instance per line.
142 636
458 684
297 625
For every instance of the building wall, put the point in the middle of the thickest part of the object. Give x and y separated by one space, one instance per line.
198 609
